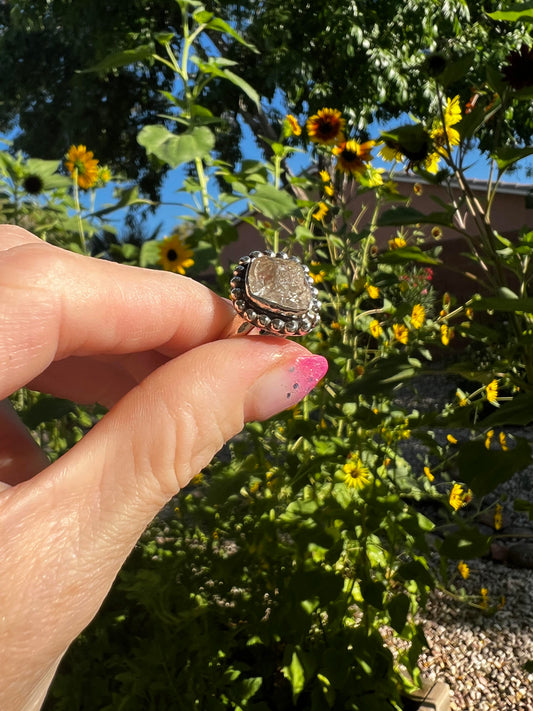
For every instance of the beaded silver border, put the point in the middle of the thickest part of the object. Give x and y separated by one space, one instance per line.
272 320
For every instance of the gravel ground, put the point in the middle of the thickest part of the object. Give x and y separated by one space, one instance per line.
481 656
478 656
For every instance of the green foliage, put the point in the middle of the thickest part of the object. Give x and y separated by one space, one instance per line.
380 54
292 567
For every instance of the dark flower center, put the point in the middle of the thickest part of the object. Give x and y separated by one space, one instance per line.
348 156
327 127
33 184
172 255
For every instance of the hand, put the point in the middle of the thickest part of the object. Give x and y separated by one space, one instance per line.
144 344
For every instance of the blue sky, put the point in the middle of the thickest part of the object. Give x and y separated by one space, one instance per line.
169 214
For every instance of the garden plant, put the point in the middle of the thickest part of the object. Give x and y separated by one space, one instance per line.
289 574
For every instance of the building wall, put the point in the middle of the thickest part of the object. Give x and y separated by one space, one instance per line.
509 215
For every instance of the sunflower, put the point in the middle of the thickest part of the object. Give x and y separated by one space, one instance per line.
293 125
33 184
321 211
82 166
518 71
174 255
352 156
326 127
443 135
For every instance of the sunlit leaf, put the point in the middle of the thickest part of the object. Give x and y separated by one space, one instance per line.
174 149
516 13
273 203
122 59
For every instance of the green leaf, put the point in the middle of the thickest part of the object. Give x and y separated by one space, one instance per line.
273 203
405 215
46 409
398 609
456 70
516 13
149 253
174 149
484 469
204 17
524 506
508 155
295 673
122 59
382 375
126 196
373 593
464 544
407 254
517 412
499 303
216 67
243 85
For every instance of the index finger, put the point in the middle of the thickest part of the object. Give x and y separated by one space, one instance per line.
55 304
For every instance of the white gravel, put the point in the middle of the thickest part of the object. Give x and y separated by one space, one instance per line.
481 656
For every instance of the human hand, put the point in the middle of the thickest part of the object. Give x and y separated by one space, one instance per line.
144 344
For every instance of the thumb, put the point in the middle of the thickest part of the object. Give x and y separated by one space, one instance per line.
88 509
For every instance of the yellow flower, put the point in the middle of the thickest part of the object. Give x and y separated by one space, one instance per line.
459 497
436 232
492 391
357 475
443 135
352 156
318 277
375 329
329 190
418 189
484 598
104 175
498 519
372 291
469 311
389 154
427 472
463 401
293 124
463 569
373 176
397 243
418 316
326 127
174 255
488 439
400 332
321 212
503 442
445 334
82 166
325 176
451 439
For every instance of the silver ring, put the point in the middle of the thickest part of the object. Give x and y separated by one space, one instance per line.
274 293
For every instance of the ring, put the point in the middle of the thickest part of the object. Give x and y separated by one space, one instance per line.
274 293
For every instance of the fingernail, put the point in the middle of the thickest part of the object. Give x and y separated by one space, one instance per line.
284 386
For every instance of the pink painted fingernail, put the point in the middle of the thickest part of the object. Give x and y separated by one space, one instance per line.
284 386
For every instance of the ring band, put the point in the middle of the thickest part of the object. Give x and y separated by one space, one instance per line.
274 293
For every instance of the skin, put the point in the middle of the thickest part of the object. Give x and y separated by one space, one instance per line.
146 345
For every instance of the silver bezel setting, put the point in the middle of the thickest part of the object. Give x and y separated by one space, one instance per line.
272 319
